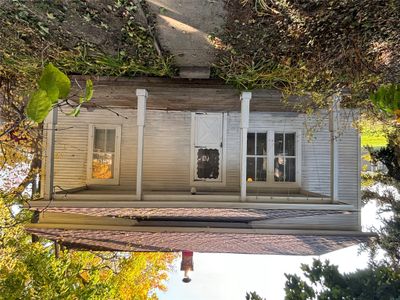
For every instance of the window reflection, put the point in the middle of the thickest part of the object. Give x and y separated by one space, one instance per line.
285 160
103 153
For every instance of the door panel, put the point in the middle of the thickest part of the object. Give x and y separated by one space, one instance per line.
208 137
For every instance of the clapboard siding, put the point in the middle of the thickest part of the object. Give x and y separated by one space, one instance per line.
349 160
316 159
167 151
348 221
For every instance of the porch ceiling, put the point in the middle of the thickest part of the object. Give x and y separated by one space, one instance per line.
221 242
183 95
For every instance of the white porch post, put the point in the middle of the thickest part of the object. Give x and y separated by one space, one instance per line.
334 119
244 126
50 132
141 113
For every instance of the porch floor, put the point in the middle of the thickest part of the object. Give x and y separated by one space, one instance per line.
158 195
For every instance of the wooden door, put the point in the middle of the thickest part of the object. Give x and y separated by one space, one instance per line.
208 145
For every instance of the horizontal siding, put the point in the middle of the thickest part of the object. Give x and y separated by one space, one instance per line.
348 221
167 151
348 172
316 158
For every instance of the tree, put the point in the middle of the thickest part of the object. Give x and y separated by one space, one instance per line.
381 282
253 296
32 271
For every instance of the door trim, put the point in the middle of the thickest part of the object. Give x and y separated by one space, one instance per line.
199 183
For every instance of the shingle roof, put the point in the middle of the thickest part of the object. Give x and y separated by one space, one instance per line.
195 214
250 243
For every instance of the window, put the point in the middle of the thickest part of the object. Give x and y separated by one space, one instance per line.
285 157
256 157
103 159
273 157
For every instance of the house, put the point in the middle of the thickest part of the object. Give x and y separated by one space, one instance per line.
176 164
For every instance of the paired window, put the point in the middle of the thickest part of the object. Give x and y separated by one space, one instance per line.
272 157
104 148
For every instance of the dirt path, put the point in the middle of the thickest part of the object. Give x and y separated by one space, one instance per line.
183 27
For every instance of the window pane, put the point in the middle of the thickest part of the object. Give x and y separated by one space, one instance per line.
261 169
279 168
250 143
103 166
278 143
250 169
290 144
261 144
110 147
290 170
208 163
99 140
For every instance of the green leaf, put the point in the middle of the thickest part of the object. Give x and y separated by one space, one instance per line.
38 106
55 83
89 90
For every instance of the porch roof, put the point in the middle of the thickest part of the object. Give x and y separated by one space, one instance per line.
182 94
214 242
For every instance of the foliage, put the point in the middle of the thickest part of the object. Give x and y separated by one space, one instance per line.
153 267
53 86
326 282
387 99
32 271
390 157
318 46
253 296
107 38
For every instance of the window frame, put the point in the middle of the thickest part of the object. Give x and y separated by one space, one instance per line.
270 182
117 152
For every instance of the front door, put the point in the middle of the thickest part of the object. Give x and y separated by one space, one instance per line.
207 146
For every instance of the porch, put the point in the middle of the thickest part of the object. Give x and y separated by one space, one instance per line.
207 187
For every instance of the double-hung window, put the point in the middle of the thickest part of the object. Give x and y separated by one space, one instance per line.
104 154
273 157
257 156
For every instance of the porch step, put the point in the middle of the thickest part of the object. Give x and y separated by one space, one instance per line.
194 72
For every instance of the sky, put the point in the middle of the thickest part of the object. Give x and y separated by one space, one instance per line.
230 276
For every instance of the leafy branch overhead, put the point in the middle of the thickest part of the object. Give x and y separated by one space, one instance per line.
387 99
54 85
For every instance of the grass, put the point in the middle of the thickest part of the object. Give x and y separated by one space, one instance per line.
374 141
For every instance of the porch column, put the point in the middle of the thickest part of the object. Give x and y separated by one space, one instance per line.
50 132
244 126
141 113
334 119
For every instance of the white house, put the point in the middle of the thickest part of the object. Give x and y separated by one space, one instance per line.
175 164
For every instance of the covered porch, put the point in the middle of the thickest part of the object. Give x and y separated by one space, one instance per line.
215 98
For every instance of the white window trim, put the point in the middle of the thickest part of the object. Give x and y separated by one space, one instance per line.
271 155
115 180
